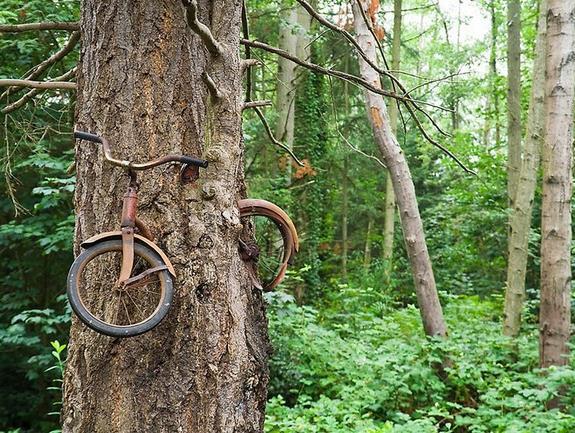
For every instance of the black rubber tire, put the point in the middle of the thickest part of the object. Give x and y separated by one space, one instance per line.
101 326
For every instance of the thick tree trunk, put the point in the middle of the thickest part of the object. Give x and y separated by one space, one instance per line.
520 218
513 98
389 221
555 312
203 369
428 300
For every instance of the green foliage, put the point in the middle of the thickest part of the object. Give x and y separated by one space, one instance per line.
333 372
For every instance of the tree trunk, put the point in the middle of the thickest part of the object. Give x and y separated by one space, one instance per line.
344 217
520 218
204 368
513 98
555 313
367 249
493 69
286 86
389 221
428 300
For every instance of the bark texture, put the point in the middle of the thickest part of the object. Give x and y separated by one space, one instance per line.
520 218
555 312
389 221
428 300
513 97
204 368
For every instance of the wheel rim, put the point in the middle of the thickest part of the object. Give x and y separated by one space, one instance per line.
112 303
265 244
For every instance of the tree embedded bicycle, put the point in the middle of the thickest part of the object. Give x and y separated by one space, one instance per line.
131 279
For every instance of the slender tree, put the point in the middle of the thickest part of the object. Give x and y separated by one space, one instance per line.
286 79
520 218
555 311
154 85
513 97
389 221
427 297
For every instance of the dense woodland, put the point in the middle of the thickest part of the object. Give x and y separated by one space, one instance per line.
356 342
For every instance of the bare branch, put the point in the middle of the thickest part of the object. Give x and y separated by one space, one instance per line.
17 28
212 87
248 63
254 104
20 102
201 29
275 140
39 69
354 79
38 84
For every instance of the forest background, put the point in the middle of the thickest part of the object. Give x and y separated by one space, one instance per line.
350 353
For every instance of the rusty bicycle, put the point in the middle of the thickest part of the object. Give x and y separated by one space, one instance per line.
122 283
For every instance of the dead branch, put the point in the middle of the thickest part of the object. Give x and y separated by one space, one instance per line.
248 63
212 87
254 104
24 99
17 28
354 79
200 28
38 84
275 140
39 69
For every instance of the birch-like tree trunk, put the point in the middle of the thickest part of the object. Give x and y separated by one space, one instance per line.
555 311
389 218
427 297
520 218
286 86
203 369
513 98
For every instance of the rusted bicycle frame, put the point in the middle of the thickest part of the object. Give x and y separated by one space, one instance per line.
130 222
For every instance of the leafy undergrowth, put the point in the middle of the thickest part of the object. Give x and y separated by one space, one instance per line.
364 368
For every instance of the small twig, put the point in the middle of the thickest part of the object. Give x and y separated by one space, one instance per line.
20 102
346 141
17 28
201 29
38 84
216 93
254 104
275 140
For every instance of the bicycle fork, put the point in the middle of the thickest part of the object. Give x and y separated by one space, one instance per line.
128 225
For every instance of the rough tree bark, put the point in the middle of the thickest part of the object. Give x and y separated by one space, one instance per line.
389 221
520 218
203 369
427 297
555 312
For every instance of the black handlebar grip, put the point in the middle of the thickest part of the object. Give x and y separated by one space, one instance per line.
87 136
194 161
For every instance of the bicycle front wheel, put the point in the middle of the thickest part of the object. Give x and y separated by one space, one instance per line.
116 309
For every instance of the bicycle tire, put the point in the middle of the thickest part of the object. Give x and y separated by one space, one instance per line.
251 208
81 302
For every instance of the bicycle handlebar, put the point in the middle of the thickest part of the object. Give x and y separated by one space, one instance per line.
184 159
